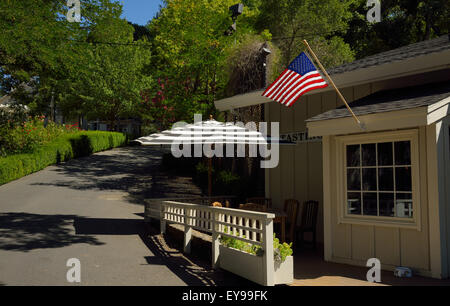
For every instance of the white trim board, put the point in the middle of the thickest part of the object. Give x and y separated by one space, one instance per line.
393 120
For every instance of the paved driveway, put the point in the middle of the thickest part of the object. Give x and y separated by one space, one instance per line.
91 209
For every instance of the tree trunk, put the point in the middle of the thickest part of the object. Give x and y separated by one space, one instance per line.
112 121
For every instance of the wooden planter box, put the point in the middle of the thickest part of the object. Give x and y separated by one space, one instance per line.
251 267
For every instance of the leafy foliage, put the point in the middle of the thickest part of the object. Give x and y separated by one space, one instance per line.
246 65
190 52
25 136
403 22
291 21
94 68
281 250
37 40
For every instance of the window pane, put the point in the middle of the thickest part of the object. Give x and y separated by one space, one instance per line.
353 156
404 206
386 179
353 179
387 204
403 179
385 155
370 204
403 153
369 155
354 203
369 179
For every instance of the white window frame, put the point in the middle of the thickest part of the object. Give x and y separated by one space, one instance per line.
341 180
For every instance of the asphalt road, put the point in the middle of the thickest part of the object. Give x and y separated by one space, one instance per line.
91 209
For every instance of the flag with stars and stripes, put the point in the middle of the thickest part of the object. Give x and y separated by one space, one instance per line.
299 78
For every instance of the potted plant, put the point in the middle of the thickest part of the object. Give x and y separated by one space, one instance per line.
246 260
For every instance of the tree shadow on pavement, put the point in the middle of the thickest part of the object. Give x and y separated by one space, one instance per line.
194 270
134 170
25 232
96 226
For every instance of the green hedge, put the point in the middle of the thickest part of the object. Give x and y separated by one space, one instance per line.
62 149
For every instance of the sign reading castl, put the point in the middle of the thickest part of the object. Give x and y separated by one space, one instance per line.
300 137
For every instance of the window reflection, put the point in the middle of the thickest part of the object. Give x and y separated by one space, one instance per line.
353 156
404 206
387 205
370 204
403 153
354 203
369 157
385 154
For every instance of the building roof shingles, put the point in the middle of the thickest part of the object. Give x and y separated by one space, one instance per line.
414 50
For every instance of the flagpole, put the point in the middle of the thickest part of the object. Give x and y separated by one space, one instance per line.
334 85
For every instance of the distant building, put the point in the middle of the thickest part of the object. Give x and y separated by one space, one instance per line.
130 126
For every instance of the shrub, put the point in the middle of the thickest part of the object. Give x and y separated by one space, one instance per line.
228 183
19 135
59 150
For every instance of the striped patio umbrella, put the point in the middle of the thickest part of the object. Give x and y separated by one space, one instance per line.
209 132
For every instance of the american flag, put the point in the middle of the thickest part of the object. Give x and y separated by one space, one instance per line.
299 78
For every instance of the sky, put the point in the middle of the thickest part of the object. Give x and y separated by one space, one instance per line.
140 11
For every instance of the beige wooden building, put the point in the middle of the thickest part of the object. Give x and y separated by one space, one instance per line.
384 192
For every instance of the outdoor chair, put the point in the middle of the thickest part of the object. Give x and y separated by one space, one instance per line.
261 201
308 221
291 208
253 207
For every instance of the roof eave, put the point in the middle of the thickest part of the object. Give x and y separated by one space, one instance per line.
438 111
394 120
413 66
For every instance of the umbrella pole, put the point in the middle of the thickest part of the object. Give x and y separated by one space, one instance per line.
209 177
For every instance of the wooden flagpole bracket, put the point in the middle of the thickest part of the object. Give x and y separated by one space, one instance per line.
361 125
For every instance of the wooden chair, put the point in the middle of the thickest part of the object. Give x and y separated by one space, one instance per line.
291 208
253 207
261 201
308 221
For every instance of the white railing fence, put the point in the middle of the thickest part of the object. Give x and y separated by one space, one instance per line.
255 228
153 206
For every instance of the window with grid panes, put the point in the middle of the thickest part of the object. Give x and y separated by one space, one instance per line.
379 180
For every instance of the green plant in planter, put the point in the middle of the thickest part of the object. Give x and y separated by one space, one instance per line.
281 251
240 245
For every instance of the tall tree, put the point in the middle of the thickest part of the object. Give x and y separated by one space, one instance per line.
190 52
36 35
89 68
291 21
110 83
403 22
